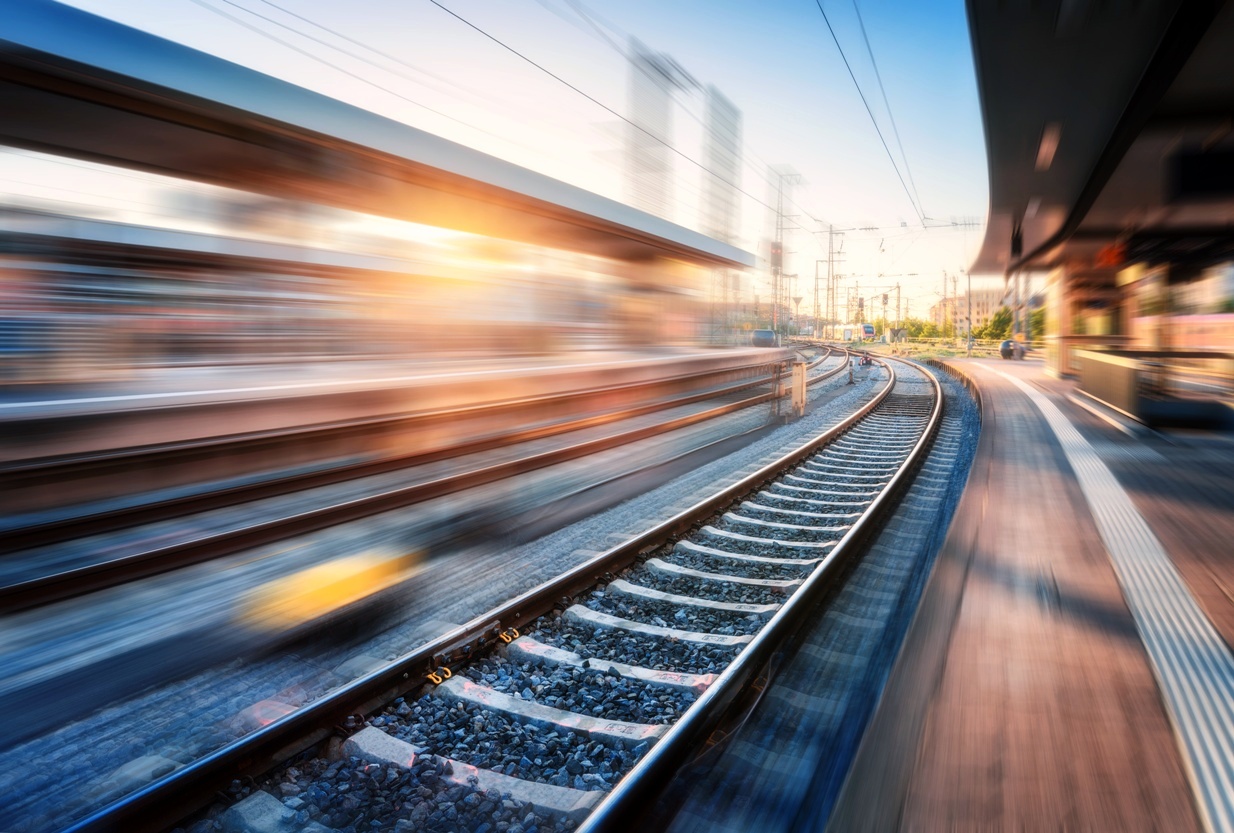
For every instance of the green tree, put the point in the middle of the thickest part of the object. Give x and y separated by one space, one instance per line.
920 328
998 327
1036 323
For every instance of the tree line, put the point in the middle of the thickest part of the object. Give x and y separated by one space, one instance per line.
997 328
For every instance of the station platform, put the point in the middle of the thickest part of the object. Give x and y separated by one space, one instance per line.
1069 666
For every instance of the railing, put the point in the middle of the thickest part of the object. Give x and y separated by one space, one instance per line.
981 347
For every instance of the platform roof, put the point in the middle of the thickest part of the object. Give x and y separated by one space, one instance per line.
75 84
1138 101
77 239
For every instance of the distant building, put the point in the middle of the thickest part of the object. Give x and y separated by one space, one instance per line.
986 302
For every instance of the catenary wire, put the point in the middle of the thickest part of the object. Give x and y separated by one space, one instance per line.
241 22
894 129
579 9
597 103
874 121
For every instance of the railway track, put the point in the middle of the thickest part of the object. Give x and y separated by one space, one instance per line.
33 529
34 576
604 680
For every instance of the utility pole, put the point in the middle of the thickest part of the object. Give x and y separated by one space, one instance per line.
955 302
969 294
784 176
777 255
1021 304
942 310
831 280
817 321
720 205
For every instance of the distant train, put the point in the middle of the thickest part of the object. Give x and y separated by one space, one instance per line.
859 332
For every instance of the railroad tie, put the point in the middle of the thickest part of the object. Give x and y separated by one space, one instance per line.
594 619
612 732
375 746
526 649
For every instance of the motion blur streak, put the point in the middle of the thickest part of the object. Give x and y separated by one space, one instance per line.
281 372
309 595
196 276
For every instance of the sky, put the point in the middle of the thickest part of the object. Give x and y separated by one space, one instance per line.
415 62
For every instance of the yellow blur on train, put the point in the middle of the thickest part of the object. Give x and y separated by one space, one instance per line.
326 592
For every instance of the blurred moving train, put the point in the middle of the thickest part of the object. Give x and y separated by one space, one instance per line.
301 601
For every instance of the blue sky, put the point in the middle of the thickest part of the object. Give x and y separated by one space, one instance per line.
776 61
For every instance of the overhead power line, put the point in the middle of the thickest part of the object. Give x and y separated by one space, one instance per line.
369 47
339 35
581 10
599 103
597 26
318 58
315 57
869 112
895 130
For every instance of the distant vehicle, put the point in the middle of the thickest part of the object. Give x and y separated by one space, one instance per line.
865 332
765 338
1007 349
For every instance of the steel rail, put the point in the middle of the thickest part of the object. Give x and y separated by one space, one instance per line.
641 788
48 532
165 801
89 578
835 370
